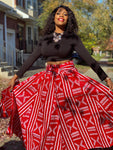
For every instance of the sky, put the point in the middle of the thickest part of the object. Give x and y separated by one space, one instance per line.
99 1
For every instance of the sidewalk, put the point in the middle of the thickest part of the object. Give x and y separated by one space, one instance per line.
30 73
105 67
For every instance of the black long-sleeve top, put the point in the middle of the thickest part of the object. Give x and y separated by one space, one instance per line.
61 50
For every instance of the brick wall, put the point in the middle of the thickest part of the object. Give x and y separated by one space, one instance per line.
1 17
13 24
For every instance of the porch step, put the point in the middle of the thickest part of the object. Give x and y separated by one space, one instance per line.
6 71
3 63
10 73
6 68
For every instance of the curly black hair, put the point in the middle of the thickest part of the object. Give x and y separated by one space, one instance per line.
71 26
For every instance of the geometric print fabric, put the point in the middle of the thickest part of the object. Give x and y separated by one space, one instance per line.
60 109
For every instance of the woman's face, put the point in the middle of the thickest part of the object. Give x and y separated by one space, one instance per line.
61 17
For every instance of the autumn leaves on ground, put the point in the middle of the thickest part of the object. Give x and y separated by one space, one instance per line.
7 143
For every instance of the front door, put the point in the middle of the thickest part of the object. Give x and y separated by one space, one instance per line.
1 44
29 39
11 54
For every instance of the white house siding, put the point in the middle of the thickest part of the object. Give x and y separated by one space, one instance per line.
8 2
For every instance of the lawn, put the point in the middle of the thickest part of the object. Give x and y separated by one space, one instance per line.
81 68
110 60
98 57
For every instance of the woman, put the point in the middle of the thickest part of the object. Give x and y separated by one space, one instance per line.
59 108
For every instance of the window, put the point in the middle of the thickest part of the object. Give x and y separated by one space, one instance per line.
29 35
35 5
35 36
40 9
20 3
21 36
29 3
29 42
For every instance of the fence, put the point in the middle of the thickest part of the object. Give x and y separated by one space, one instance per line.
13 56
19 56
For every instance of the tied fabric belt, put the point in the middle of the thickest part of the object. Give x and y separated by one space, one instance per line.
56 69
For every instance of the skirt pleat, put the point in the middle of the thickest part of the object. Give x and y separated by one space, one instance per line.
60 109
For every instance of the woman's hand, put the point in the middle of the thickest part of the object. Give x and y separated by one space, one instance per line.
12 82
109 83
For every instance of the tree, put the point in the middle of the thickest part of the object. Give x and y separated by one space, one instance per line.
94 19
102 24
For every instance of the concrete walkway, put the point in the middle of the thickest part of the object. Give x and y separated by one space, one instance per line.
30 73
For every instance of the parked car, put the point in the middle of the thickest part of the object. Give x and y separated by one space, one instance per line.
76 58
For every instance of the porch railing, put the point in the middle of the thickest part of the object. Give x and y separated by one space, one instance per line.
2 52
19 56
11 54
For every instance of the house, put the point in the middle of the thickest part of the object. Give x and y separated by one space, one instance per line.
96 50
109 47
18 29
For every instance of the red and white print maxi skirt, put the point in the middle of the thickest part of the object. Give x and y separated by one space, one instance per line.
60 109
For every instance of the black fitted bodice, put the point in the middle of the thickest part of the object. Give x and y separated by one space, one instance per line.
61 50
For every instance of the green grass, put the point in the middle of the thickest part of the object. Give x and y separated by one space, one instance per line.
110 60
82 68
98 57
